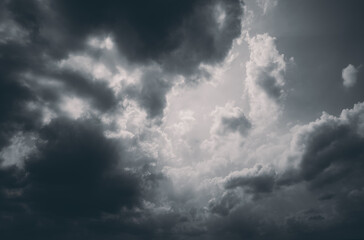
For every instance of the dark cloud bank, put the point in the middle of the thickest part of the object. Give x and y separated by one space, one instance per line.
76 184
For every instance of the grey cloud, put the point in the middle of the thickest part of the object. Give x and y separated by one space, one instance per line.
178 35
269 84
236 124
76 176
81 184
230 119
225 204
151 92
333 147
78 183
255 180
329 174
349 75
331 166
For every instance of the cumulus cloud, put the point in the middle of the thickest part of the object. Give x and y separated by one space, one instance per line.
319 193
349 76
331 147
228 133
264 83
82 87
151 92
230 119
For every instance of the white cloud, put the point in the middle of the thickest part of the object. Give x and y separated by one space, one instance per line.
264 83
229 119
349 75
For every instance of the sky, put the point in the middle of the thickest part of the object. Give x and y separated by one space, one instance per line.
195 119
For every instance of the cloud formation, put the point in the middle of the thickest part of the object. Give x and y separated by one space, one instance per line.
230 119
110 128
349 75
264 83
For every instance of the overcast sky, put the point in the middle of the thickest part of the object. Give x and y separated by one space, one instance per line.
194 119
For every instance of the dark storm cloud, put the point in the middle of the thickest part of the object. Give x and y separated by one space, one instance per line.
329 173
333 148
178 35
74 185
244 222
331 166
75 178
24 72
13 95
77 172
98 93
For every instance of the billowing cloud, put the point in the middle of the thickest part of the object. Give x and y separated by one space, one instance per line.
349 76
179 36
264 83
332 147
230 119
80 87
319 192
110 128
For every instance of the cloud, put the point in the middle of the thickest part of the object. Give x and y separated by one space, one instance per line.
151 92
331 147
329 154
75 175
349 76
264 83
60 47
82 86
256 180
229 131
224 205
319 194
58 85
179 39
230 119
64 179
